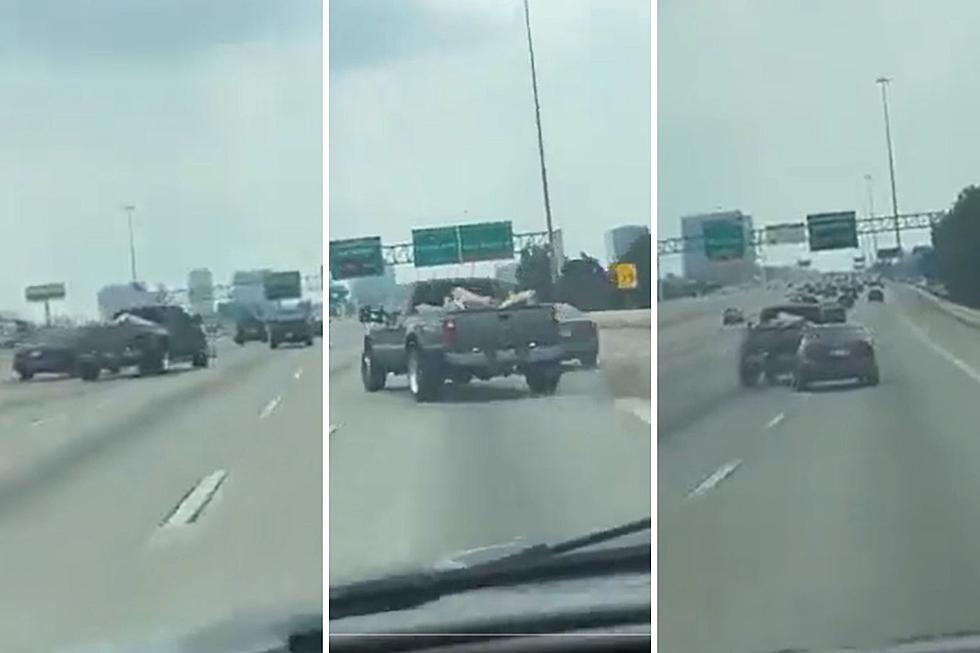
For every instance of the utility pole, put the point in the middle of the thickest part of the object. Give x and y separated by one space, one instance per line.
871 214
129 208
883 83
552 255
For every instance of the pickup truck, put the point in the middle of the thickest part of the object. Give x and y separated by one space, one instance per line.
433 339
149 338
769 347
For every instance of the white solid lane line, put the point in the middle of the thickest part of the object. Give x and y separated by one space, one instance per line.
190 507
717 477
776 420
959 364
639 408
269 407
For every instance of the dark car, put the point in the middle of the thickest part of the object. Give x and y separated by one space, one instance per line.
732 316
876 295
250 328
833 352
846 300
185 340
579 335
292 324
49 351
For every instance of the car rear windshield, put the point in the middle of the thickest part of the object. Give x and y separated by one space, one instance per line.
838 333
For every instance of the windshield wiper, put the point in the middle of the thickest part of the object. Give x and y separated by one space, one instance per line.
542 563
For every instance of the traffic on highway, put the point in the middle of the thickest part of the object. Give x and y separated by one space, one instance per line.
818 340
161 360
489 431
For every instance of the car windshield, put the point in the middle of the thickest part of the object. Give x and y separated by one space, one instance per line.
163 168
491 285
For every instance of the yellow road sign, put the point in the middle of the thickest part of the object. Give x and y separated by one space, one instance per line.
625 276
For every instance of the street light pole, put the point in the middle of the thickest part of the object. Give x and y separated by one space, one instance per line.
129 208
537 119
883 83
871 214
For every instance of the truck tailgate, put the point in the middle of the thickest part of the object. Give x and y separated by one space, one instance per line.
511 328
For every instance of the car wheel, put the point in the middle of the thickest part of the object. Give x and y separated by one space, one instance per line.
200 359
424 381
309 342
239 341
543 380
872 379
373 377
25 375
590 361
748 376
154 361
88 371
273 344
800 382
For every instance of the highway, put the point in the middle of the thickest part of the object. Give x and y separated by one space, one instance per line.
411 484
835 517
104 537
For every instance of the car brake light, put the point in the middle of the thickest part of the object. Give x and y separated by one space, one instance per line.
449 332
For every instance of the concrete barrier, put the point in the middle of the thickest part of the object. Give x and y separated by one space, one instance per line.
964 314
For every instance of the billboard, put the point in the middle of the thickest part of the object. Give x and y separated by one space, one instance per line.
44 292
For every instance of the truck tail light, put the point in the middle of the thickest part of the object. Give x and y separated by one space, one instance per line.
449 332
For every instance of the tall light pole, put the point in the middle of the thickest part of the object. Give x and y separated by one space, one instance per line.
883 83
544 175
129 208
871 214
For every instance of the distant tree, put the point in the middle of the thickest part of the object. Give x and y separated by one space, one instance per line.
585 284
534 272
957 243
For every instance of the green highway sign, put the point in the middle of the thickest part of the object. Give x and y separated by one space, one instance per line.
356 257
832 230
486 241
724 240
435 246
283 285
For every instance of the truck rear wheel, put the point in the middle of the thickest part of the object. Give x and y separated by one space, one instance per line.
88 370
200 359
372 376
424 379
543 380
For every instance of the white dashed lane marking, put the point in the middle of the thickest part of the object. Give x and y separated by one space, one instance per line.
716 477
269 407
298 373
776 420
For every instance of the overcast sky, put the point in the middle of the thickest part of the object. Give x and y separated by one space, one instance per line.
432 116
205 115
770 106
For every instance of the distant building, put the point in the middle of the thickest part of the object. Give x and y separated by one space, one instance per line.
618 240
697 266
118 297
200 292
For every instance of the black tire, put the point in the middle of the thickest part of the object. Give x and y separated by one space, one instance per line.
200 359
273 344
372 377
239 341
425 380
88 371
309 342
873 379
748 376
800 382
153 361
590 361
543 380
25 375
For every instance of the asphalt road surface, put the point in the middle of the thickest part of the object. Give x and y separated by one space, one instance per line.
103 536
841 516
411 484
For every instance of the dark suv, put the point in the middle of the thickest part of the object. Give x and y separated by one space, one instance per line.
185 340
293 324
832 352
